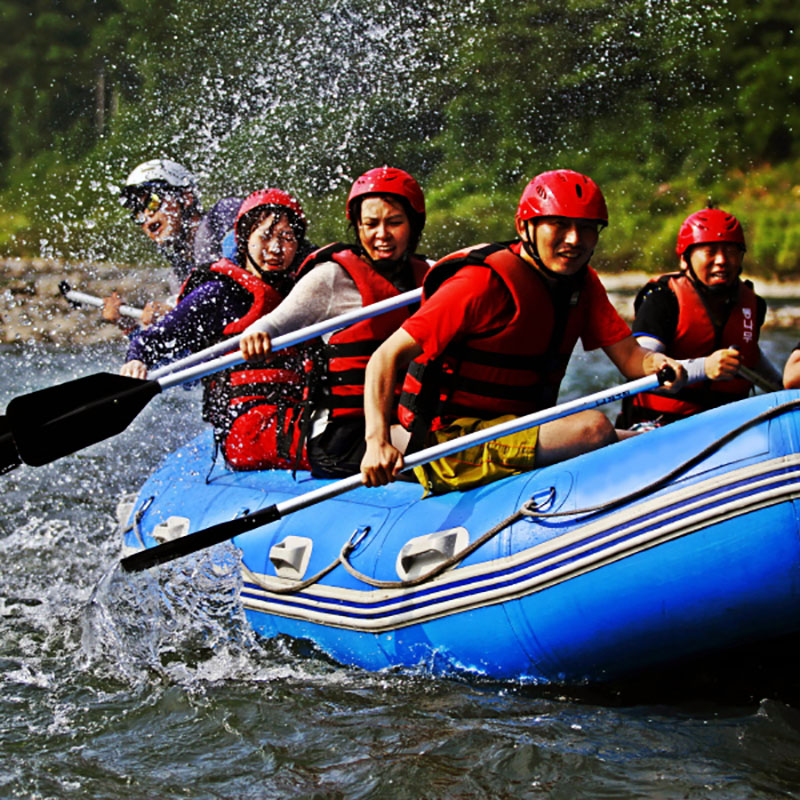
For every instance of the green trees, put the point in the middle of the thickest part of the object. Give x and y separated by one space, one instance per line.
667 105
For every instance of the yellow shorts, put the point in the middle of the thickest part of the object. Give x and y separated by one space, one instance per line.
481 464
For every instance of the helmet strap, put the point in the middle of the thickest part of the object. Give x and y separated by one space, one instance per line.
532 250
281 281
529 245
722 292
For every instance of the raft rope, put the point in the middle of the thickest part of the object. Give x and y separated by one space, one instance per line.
359 534
529 509
657 484
137 518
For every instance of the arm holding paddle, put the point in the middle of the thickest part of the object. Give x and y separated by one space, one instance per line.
255 345
382 459
134 369
723 365
114 310
112 307
635 361
556 440
202 314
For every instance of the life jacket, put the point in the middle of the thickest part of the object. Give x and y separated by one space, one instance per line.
279 384
697 336
514 369
345 356
265 297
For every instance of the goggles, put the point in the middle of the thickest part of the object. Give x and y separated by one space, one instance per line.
139 203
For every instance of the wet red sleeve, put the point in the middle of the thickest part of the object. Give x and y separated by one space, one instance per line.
472 301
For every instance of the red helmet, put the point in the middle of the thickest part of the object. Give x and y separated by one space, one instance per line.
269 197
388 180
562 193
709 226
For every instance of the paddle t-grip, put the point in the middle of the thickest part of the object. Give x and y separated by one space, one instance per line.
666 374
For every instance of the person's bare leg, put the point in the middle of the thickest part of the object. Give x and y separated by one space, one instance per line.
626 434
573 435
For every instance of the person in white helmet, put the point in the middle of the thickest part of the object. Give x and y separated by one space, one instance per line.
162 197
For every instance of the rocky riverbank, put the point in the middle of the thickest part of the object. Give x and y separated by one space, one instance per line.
33 308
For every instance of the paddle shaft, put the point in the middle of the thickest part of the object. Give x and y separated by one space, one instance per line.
227 530
50 423
90 300
289 339
758 380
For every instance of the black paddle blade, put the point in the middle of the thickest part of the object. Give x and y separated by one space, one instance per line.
57 421
9 457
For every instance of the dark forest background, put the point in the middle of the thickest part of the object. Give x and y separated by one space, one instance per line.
669 106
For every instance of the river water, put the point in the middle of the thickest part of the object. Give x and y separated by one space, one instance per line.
153 686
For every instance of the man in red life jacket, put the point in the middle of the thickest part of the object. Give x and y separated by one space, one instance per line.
704 315
492 340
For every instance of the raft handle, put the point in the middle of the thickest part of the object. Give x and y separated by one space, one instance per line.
290 557
173 528
422 553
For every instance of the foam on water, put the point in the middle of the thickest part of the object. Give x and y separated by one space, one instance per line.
154 685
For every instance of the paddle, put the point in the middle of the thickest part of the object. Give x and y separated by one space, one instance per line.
54 422
227 530
76 298
310 332
763 383
9 457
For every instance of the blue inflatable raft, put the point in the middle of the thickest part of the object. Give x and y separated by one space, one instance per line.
680 542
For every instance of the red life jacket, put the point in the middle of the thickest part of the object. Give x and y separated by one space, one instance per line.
696 336
265 297
347 352
516 369
278 385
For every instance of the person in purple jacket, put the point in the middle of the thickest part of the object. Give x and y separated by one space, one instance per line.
255 408
211 299
162 198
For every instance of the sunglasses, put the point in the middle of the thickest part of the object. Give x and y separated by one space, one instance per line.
138 204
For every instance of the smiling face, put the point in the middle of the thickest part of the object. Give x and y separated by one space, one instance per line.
161 221
716 264
272 244
383 228
564 244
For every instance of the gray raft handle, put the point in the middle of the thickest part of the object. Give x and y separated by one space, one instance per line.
290 557
423 553
173 528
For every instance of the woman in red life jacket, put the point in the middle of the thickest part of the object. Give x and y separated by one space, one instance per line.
704 315
255 407
492 339
386 209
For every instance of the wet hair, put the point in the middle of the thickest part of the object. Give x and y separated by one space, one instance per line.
415 219
254 217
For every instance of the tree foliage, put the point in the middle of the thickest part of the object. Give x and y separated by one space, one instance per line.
668 105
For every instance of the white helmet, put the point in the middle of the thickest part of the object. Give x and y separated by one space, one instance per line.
161 170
